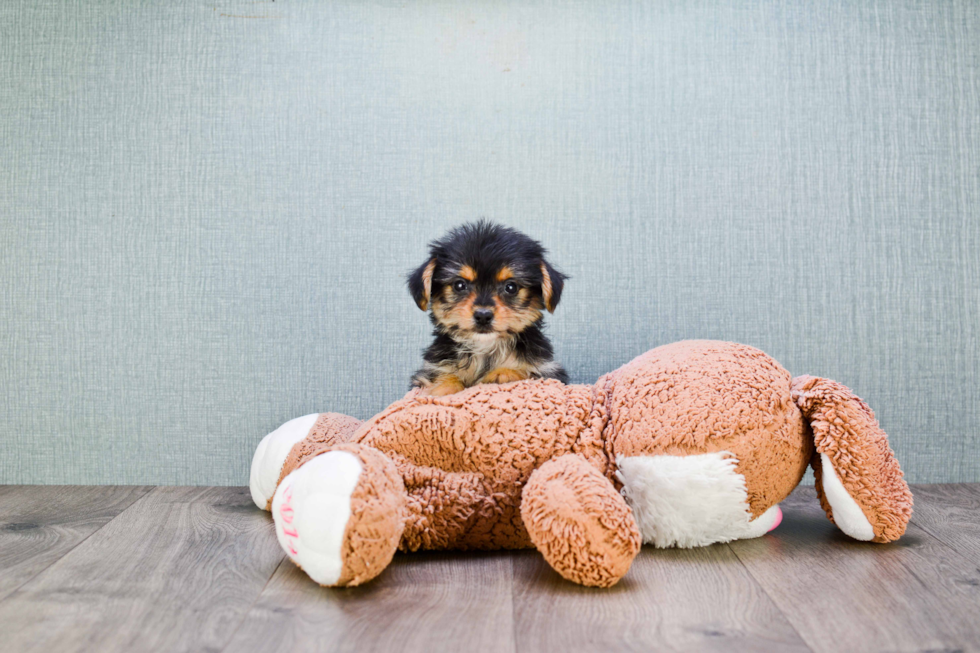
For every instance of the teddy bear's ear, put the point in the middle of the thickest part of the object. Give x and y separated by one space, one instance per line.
420 284
552 282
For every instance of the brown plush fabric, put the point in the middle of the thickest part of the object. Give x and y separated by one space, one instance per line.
466 458
701 396
579 522
845 429
378 514
329 429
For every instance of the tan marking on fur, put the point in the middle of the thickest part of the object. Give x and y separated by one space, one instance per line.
459 315
504 375
427 284
439 310
535 302
511 319
467 273
505 274
469 367
491 351
506 319
511 364
546 288
445 385
465 370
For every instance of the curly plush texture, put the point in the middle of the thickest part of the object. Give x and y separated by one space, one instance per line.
696 397
845 429
330 429
578 521
466 457
378 512
466 460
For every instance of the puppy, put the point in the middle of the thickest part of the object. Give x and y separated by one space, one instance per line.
486 287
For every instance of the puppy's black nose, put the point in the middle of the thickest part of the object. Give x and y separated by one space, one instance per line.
483 317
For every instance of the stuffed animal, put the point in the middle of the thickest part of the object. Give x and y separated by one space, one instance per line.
689 444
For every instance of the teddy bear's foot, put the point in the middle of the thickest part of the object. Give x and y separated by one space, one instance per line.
340 515
764 523
271 454
842 509
288 446
858 479
578 521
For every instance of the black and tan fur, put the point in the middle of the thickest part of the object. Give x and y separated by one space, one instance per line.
486 288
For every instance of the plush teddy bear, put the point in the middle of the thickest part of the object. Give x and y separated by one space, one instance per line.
689 444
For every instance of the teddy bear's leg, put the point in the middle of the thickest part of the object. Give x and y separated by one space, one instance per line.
278 447
858 479
339 516
579 522
456 510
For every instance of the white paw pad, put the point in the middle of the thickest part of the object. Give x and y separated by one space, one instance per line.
847 513
271 454
311 509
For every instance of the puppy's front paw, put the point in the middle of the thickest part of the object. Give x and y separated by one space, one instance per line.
503 375
446 385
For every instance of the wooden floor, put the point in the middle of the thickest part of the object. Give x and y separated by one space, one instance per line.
198 569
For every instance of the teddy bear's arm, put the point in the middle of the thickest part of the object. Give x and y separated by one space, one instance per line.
579 522
457 510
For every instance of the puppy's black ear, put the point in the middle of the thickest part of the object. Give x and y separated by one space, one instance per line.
552 282
420 284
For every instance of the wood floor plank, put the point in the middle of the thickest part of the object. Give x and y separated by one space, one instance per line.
106 569
422 602
951 514
916 594
41 523
671 600
178 570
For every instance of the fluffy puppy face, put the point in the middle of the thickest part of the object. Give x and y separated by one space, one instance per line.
484 281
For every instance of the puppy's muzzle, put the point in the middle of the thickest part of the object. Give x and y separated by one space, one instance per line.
482 317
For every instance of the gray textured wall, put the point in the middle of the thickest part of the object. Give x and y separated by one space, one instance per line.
207 208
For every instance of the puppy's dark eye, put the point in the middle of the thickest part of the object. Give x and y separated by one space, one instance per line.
510 288
459 285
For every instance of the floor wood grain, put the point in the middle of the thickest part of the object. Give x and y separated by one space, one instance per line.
681 600
176 571
41 523
422 603
917 594
950 514
199 569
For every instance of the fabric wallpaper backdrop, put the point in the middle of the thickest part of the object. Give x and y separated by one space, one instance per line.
208 207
